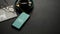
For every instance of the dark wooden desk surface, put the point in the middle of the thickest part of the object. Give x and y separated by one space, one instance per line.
45 19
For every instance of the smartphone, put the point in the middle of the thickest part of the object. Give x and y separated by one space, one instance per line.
18 23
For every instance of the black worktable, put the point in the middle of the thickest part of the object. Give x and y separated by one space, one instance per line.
45 19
